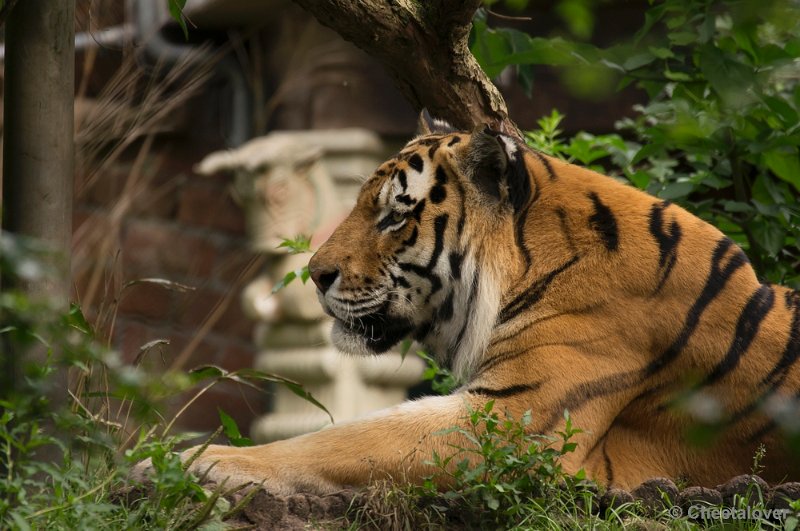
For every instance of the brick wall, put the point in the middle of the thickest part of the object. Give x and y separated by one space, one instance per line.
182 228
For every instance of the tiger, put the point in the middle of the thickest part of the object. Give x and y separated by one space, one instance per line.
546 287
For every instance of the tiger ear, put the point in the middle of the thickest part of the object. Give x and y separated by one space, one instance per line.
485 162
494 163
428 125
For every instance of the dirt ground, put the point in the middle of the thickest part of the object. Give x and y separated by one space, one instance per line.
336 511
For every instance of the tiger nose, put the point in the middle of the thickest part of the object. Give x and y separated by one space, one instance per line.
324 278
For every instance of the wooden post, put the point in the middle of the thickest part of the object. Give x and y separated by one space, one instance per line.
38 142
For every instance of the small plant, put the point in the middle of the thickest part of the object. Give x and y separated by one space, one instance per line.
442 380
505 474
300 244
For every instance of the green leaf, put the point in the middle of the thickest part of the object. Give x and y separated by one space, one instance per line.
769 236
176 12
675 190
76 319
732 80
300 244
785 163
231 430
287 278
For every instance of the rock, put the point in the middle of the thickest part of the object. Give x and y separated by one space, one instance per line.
614 498
266 510
784 494
656 494
746 486
698 496
298 505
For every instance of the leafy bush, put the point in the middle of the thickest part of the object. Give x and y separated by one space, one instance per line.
719 133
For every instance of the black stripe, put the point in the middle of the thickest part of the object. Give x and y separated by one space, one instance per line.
399 281
792 350
752 315
437 194
441 175
667 242
432 151
546 164
415 161
470 303
412 238
520 237
518 181
584 392
501 357
533 293
562 223
607 462
760 433
439 226
417 212
717 278
455 264
424 272
462 220
775 378
423 330
505 392
401 177
445 311
455 140
404 198
604 223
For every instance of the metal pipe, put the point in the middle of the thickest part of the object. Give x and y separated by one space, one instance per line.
157 50
114 36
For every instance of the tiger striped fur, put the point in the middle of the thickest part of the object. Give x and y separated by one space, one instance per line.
547 287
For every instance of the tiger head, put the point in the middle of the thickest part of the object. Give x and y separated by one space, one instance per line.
424 252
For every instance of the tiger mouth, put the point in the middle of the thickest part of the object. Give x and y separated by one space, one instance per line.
378 331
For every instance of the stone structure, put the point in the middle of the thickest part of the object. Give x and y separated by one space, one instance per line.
292 183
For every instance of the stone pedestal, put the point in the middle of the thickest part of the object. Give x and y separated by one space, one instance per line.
292 183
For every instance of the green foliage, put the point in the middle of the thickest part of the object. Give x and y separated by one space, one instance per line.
585 149
300 244
442 380
66 451
505 473
719 133
176 12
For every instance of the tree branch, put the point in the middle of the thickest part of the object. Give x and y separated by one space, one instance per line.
423 45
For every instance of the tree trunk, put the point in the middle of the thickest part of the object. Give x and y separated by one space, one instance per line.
38 141
423 44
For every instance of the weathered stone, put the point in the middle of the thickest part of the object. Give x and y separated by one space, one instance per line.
746 486
614 498
656 494
784 494
266 510
698 495
298 505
